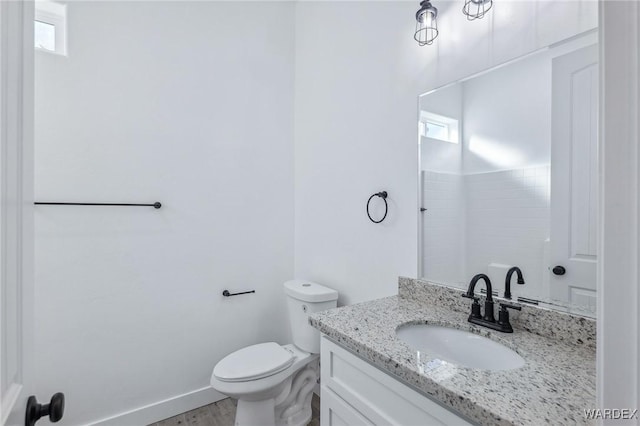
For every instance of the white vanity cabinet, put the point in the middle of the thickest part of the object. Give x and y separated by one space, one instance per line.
353 392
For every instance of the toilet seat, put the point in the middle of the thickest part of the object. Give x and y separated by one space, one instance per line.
253 362
258 389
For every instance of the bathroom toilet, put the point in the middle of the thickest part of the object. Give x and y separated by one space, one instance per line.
274 383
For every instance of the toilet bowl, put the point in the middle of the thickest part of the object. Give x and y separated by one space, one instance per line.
274 383
263 399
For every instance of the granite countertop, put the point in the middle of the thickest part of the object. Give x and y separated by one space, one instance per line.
555 386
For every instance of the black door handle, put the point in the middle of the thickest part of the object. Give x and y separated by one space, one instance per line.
54 409
559 270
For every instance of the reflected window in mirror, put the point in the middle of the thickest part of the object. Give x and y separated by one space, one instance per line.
440 127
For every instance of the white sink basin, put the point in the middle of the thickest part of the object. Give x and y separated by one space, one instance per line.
459 347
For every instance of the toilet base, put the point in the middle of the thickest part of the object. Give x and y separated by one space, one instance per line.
292 407
254 413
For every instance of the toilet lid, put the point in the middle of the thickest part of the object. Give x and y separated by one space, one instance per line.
253 362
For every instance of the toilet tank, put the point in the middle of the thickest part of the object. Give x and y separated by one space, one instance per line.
304 298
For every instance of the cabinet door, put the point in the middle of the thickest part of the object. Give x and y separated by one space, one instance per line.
334 411
378 397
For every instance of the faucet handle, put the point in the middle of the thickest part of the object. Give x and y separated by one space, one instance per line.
475 299
475 306
504 306
468 296
503 317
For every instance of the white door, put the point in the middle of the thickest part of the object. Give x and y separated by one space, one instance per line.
16 207
574 179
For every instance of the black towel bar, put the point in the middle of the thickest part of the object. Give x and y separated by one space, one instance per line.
155 205
227 294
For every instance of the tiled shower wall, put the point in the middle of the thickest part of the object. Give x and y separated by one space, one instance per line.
473 221
443 226
507 214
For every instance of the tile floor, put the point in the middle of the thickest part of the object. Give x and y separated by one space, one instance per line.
222 413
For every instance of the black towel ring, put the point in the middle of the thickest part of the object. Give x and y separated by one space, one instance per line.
382 195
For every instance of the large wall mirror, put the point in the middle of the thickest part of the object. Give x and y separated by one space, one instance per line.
508 177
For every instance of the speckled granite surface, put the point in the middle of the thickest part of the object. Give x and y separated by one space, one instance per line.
554 387
545 322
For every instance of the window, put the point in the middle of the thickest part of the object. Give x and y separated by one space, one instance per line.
438 127
45 36
50 27
437 130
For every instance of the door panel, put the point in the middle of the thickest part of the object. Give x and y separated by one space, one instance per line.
574 179
16 207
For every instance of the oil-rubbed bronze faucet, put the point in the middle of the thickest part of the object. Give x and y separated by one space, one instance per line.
507 282
488 320
488 303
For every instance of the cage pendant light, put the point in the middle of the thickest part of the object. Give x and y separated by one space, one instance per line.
426 23
476 9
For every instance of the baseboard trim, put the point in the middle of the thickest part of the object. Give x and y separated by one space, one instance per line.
164 409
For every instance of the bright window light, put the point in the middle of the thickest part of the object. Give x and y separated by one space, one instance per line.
437 130
500 154
439 127
45 36
50 27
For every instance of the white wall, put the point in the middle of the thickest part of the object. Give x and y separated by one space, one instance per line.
356 110
358 76
507 117
190 104
507 112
